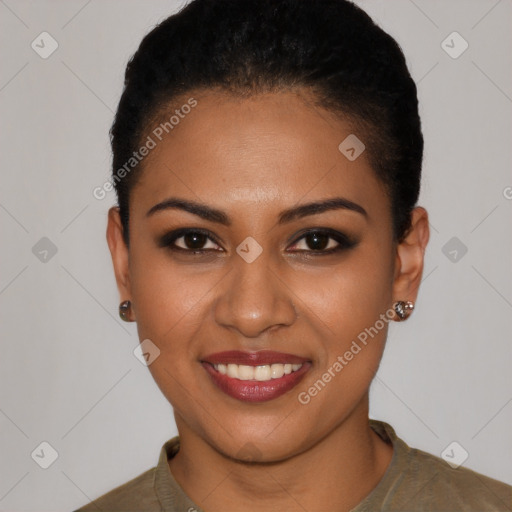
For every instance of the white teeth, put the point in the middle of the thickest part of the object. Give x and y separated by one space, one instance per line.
232 371
261 373
245 372
276 371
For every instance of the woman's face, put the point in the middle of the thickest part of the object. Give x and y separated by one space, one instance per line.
261 283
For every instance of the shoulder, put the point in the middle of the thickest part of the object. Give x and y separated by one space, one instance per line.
135 495
436 482
417 480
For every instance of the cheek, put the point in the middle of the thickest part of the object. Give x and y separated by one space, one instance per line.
348 304
351 322
350 295
170 306
166 295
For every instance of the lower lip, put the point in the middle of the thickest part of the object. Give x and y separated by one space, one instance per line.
254 390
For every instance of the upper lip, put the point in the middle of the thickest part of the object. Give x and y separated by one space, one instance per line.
262 357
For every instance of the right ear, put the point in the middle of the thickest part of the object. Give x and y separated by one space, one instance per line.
119 253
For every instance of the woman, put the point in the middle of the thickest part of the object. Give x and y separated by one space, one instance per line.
267 161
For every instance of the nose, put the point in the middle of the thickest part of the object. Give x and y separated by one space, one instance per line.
254 298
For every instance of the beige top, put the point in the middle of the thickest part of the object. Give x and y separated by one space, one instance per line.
414 481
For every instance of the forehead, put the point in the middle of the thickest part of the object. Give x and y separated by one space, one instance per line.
265 149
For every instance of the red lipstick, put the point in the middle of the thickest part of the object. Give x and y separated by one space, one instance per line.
255 390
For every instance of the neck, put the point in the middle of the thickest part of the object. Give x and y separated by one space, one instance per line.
336 473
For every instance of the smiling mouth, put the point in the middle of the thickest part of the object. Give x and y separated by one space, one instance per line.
255 376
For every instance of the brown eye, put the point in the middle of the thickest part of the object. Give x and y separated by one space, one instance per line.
194 240
323 241
188 240
317 241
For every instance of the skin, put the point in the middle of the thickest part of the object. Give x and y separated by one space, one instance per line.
253 158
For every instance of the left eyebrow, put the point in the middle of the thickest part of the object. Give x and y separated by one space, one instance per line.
335 203
220 217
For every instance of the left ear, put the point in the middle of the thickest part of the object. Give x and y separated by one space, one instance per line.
410 254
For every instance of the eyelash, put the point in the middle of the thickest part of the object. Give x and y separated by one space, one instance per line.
344 242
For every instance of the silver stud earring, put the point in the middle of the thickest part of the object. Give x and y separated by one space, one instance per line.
124 310
403 309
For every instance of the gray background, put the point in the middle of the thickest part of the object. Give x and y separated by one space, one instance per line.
68 375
